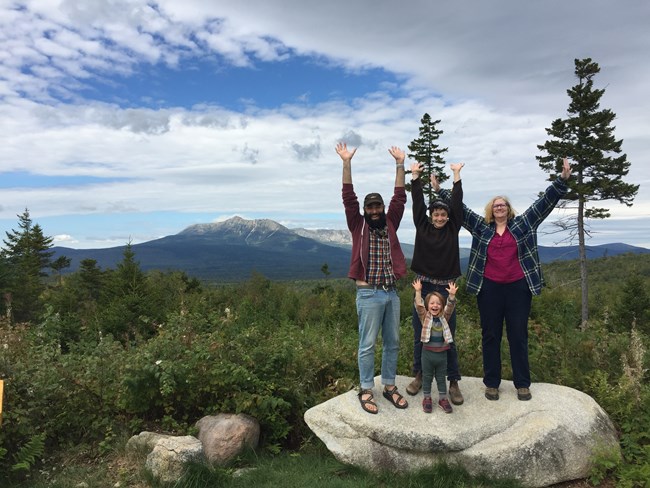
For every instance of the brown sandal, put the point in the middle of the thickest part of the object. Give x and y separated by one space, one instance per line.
365 404
389 395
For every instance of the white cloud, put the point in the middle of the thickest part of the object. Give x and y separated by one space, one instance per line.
63 240
495 73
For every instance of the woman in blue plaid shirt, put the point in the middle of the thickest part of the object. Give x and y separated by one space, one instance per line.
504 273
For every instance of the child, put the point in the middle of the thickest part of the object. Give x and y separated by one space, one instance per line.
436 337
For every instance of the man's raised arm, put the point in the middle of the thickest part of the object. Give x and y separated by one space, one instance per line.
400 174
346 157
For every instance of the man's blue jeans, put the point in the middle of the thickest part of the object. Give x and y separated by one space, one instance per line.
453 370
378 309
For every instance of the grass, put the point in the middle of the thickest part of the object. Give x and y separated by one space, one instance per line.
314 467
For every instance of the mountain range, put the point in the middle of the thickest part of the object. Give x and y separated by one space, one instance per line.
233 250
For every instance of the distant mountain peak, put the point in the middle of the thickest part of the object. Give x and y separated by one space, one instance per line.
238 230
235 224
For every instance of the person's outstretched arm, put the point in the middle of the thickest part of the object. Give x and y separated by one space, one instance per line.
566 169
417 196
456 200
543 206
400 174
455 168
346 157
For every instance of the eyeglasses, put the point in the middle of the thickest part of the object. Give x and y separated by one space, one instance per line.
499 205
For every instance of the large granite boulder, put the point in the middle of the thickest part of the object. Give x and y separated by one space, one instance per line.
225 436
546 440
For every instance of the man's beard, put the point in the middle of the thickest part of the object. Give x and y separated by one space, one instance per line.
380 223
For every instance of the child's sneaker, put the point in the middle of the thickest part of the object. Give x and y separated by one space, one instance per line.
445 405
427 405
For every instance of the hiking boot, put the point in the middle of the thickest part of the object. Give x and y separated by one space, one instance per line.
427 405
492 393
415 385
455 394
445 405
524 394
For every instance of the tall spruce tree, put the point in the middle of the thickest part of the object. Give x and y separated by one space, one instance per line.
28 254
425 150
586 136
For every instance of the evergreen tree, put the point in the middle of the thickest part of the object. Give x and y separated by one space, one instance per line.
28 254
425 150
634 305
325 269
586 136
73 307
127 310
80 293
6 279
59 265
90 276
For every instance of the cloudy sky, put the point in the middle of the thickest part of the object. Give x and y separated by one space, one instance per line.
129 120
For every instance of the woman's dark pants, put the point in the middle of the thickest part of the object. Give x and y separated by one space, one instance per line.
510 302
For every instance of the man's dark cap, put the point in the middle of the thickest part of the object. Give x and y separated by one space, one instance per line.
372 198
439 205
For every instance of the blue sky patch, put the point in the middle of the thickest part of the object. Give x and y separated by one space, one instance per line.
266 85
25 179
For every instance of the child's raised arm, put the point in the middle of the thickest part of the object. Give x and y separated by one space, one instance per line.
417 284
452 289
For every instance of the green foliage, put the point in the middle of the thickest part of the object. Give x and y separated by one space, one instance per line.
28 454
59 265
604 461
25 258
6 278
265 349
629 407
247 358
272 350
199 475
127 311
69 396
633 307
127 303
23 459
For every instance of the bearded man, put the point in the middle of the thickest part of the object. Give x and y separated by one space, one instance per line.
376 264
